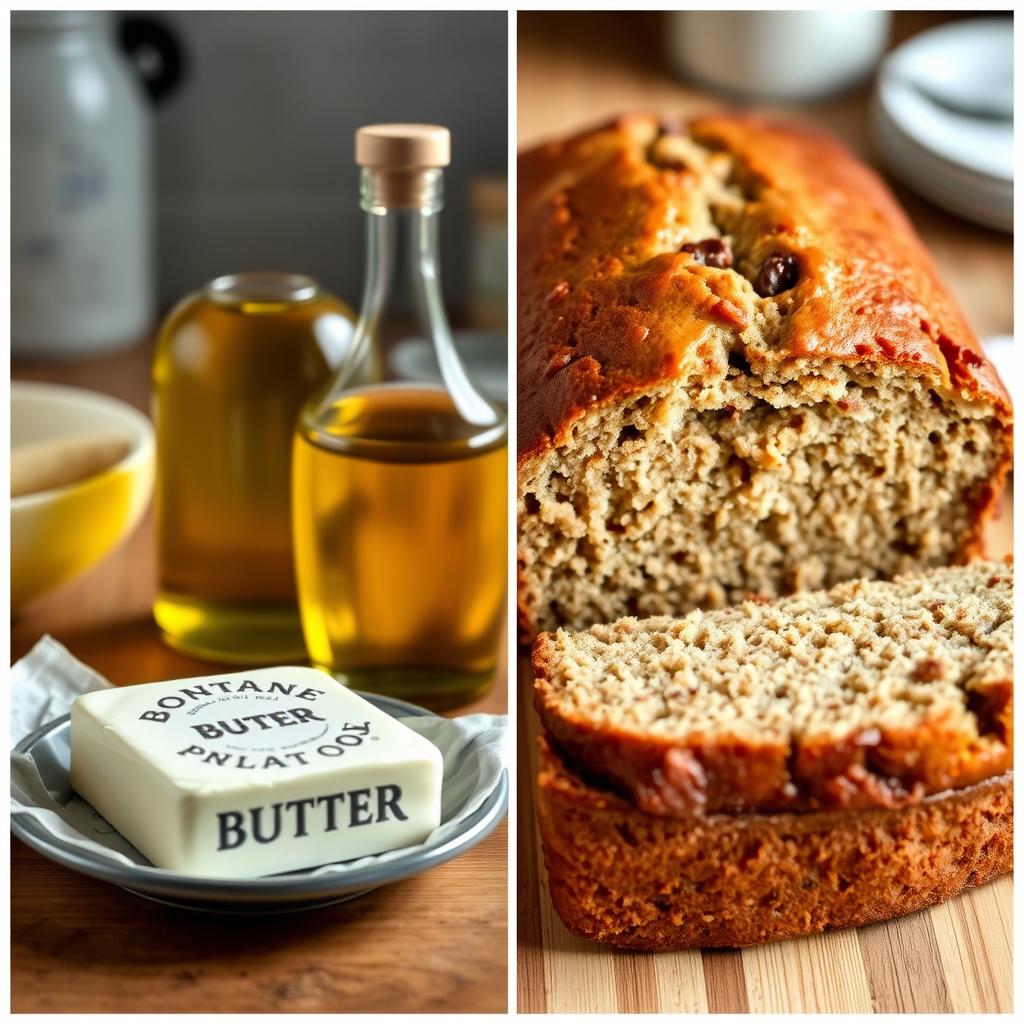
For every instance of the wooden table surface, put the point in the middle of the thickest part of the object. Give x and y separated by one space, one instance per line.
434 943
576 70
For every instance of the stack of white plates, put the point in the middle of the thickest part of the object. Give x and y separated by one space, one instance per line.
1001 350
942 117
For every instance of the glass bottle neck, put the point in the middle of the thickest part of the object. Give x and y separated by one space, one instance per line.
401 256
382 192
402 305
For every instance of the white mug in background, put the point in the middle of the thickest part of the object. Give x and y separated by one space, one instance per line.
777 55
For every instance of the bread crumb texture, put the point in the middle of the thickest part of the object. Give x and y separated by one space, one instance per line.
872 694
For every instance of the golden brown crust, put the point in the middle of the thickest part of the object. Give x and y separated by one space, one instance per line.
619 876
700 776
605 312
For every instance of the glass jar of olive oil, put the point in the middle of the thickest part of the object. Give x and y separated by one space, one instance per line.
234 364
399 483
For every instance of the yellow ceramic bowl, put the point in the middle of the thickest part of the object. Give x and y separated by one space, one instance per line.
57 534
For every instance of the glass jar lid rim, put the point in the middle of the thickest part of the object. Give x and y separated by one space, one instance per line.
262 286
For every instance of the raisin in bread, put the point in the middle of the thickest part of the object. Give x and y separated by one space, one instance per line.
873 694
620 876
738 373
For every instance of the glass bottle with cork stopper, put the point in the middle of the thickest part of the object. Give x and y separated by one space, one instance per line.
399 485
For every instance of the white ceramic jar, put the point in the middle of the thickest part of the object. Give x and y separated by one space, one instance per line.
81 206
777 55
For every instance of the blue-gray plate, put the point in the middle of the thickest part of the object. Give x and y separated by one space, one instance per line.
49 747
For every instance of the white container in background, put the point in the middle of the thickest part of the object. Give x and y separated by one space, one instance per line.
488 262
81 244
777 55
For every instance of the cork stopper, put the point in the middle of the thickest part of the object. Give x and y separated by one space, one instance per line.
404 161
403 146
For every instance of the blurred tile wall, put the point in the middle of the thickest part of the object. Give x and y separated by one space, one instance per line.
254 151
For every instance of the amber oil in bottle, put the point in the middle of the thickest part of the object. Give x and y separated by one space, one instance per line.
400 490
234 365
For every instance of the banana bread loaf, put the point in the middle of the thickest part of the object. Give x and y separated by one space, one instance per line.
620 876
873 694
738 373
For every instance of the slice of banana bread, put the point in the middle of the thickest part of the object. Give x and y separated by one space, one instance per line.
873 694
738 373
623 877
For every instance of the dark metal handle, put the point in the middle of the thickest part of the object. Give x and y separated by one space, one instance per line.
155 51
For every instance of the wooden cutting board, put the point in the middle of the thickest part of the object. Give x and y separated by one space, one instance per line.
953 958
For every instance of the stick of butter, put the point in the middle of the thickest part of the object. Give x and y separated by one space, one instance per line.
253 773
